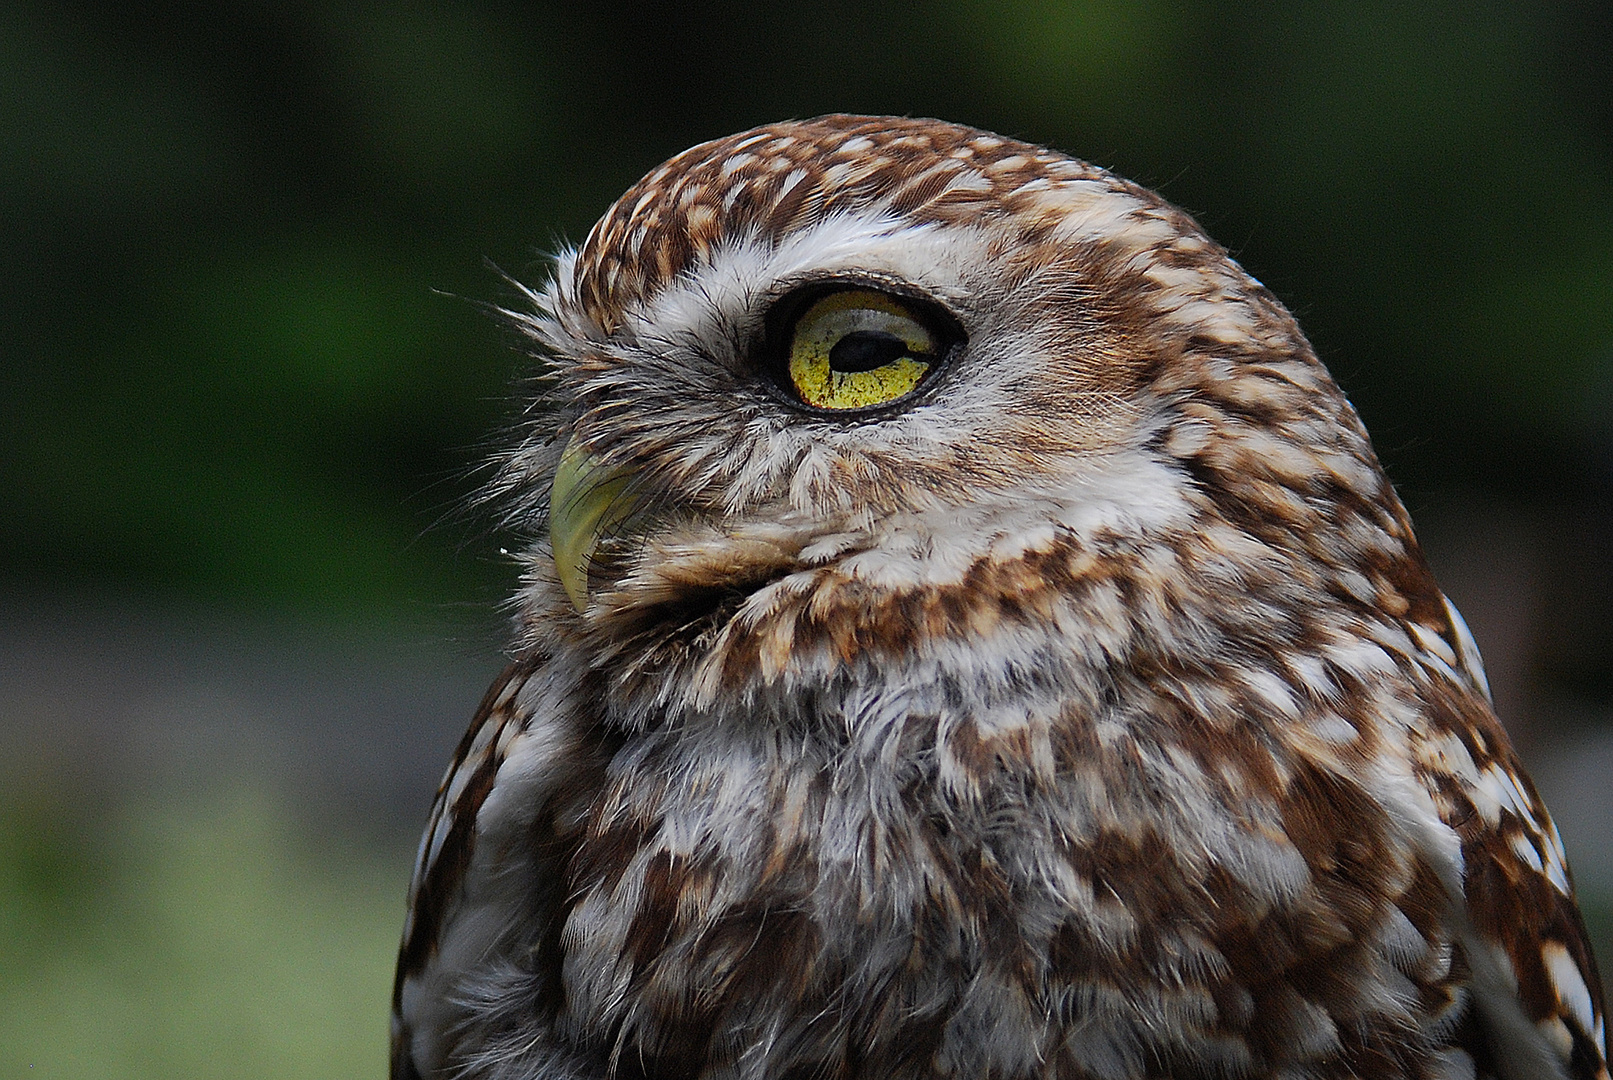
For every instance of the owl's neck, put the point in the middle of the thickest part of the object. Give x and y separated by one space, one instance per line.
1127 566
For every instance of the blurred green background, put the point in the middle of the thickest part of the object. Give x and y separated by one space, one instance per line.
246 379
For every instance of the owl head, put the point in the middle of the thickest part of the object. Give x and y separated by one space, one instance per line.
848 378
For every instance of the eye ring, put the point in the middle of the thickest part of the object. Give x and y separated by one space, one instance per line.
857 326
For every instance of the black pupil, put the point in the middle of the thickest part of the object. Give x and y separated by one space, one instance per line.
865 350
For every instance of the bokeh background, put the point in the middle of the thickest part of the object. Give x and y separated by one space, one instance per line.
247 377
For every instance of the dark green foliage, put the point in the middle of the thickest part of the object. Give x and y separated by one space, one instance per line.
230 368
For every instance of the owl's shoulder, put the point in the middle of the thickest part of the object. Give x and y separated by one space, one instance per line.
488 875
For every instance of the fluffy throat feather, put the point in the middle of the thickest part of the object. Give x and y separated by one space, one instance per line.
706 581
753 619
719 626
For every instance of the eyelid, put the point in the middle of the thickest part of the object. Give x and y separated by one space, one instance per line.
835 323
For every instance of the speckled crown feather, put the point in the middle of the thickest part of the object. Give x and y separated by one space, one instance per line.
776 179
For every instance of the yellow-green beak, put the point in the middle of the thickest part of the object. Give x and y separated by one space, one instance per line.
587 501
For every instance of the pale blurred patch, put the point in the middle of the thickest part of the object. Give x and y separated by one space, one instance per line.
206 939
206 827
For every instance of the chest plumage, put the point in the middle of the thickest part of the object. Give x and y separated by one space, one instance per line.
973 637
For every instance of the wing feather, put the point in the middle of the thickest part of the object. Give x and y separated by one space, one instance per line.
1536 990
448 846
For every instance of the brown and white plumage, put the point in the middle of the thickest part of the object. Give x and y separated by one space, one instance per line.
1089 711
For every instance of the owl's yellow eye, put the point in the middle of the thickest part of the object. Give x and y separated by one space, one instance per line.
857 348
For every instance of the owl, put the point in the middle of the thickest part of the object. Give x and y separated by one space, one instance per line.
966 633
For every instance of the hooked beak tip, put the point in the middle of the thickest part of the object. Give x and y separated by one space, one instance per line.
587 501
